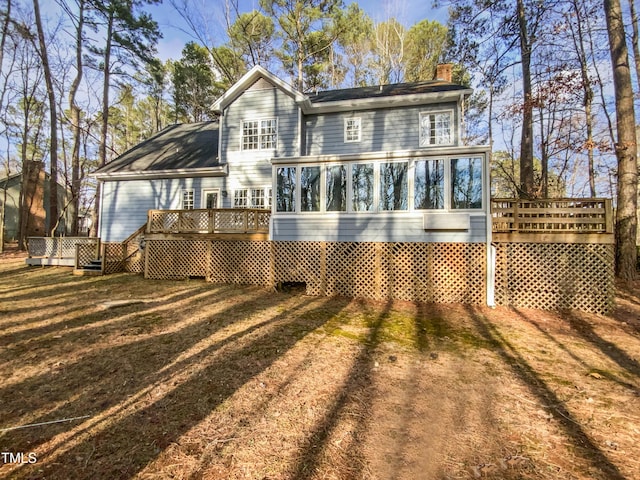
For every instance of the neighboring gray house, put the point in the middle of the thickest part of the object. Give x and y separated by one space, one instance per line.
371 164
37 201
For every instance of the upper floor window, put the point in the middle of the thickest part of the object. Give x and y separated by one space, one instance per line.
352 128
187 199
436 128
260 134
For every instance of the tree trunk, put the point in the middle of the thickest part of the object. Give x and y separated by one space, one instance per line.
526 143
104 128
53 123
627 191
75 124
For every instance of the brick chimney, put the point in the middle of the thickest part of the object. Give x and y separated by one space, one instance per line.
443 72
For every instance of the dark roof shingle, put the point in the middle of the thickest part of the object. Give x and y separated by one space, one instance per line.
431 86
177 147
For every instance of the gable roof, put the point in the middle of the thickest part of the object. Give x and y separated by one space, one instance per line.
178 150
249 79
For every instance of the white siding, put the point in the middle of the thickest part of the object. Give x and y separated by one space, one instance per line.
257 104
125 203
381 130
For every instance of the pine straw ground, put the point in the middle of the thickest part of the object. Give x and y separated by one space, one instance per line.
188 380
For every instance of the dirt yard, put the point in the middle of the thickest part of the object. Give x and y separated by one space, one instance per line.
119 377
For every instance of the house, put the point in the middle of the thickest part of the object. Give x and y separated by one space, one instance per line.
371 164
37 200
370 192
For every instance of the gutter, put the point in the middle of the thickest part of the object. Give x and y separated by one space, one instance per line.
219 171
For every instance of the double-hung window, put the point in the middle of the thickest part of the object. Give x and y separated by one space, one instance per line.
187 199
260 134
436 128
240 198
352 129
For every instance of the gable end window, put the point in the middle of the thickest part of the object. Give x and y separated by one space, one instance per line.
352 129
260 134
436 128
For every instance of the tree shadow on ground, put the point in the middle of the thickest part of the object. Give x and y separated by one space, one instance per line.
607 348
584 445
164 395
356 387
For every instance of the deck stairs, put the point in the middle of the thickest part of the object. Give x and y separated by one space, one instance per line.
91 269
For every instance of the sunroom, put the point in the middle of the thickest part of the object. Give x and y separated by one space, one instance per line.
400 196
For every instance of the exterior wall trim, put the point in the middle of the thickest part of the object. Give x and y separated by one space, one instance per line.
387 155
219 171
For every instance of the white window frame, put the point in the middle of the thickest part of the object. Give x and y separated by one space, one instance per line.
349 136
430 138
187 200
241 200
376 163
266 197
203 198
261 137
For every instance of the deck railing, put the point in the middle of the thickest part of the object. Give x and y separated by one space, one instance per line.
225 220
58 247
555 216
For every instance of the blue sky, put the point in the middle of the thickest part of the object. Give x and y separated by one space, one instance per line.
407 12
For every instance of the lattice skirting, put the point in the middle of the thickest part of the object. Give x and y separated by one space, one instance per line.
427 272
555 276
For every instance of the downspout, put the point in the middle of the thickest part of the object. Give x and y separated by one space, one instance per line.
99 226
490 249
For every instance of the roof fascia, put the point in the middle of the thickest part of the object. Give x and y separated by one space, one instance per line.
383 102
219 171
249 79
386 155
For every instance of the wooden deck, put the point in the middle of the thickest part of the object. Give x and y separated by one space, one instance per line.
210 224
566 220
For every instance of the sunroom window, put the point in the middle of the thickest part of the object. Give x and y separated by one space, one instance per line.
362 187
286 189
336 188
310 189
429 184
466 183
381 186
435 128
393 186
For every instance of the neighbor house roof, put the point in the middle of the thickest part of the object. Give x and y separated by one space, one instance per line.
178 150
